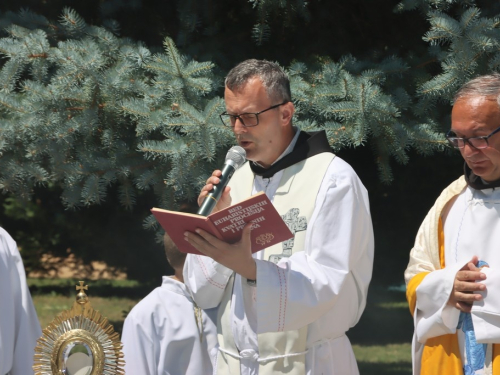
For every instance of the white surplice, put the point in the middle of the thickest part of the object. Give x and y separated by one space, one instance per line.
326 283
19 325
471 228
161 334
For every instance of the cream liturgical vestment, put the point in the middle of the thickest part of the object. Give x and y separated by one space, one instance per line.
471 223
19 326
308 293
167 334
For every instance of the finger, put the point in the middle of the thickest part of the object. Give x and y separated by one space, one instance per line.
204 192
210 239
226 190
202 196
473 260
202 246
215 177
197 242
209 186
212 180
246 236
468 297
472 267
206 189
470 275
468 287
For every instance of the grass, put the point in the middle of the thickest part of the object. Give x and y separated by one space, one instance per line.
112 298
384 359
381 340
114 308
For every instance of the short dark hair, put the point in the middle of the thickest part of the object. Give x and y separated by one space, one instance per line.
175 257
272 76
486 85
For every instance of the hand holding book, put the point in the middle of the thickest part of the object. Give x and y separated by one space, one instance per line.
227 224
235 256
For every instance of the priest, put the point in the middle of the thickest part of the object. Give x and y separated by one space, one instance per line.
453 276
285 309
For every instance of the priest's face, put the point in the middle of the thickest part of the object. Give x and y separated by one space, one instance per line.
479 116
265 142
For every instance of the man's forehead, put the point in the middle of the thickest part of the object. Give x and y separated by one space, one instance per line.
249 84
471 101
475 112
250 95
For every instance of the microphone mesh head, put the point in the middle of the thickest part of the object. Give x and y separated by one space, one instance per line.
237 155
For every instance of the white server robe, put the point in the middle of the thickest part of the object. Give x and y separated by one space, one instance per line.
162 337
19 325
326 283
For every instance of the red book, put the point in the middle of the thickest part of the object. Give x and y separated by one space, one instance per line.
227 225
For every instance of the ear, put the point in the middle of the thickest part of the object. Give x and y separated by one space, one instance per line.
287 111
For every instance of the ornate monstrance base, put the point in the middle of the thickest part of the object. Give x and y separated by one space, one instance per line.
79 341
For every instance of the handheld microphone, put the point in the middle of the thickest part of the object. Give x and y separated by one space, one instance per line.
235 158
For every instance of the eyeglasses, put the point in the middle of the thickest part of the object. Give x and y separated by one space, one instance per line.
247 119
475 142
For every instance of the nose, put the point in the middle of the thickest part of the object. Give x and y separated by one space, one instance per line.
238 127
469 150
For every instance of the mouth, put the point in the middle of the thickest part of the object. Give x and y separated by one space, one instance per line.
478 166
244 143
476 162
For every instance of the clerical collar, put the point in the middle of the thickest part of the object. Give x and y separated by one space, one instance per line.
307 145
477 182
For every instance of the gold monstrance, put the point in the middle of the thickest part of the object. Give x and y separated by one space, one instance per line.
79 341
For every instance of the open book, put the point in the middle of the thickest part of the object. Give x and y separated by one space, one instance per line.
227 225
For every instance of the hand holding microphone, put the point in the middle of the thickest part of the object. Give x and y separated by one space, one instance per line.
235 158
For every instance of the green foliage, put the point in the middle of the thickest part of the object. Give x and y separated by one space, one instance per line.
472 46
80 112
104 117
429 5
353 109
287 10
85 109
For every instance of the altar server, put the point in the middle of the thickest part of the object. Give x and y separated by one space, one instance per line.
167 333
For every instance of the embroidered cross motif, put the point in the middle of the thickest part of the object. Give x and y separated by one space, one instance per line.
295 224
81 288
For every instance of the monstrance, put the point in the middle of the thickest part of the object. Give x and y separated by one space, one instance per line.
79 341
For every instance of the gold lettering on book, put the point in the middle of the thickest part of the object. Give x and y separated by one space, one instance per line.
264 238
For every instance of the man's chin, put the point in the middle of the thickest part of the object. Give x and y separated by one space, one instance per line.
489 177
486 174
479 168
249 148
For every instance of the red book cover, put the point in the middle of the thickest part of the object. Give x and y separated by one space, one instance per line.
227 225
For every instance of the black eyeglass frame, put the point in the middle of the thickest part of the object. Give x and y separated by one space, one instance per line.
451 135
247 113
